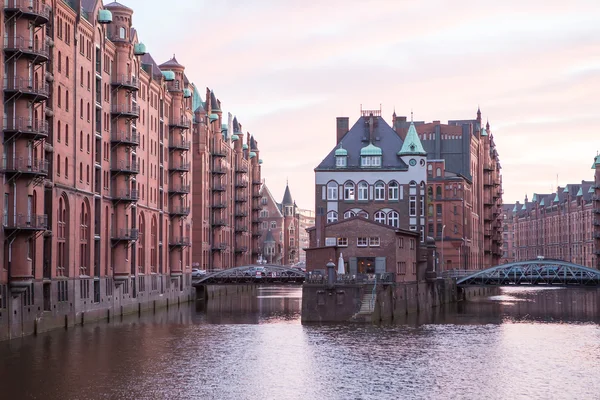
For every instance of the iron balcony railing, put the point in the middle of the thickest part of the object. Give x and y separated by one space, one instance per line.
241 199
126 194
179 144
320 277
126 80
219 246
241 169
128 109
219 222
219 170
125 137
26 86
219 205
25 221
126 234
14 43
180 210
179 241
240 228
181 122
26 125
180 166
241 184
24 165
242 249
180 189
32 7
126 166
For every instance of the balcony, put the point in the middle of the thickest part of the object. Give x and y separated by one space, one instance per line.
181 123
219 222
27 128
179 167
179 189
241 229
241 199
125 235
241 169
241 214
24 165
125 167
127 110
256 234
241 184
219 205
219 153
256 207
256 195
218 188
219 246
125 195
33 10
256 182
180 241
30 49
179 211
242 249
125 138
126 81
25 222
219 171
27 88
179 144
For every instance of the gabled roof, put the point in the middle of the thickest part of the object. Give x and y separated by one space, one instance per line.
357 138
264 189
150 66
412 145
88 5
368 221
287 197
116 5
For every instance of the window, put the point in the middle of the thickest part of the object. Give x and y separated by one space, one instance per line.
363 214
422 203
412 244
362 242
430 171
374 241
394 219
379 191
440 228
438 172
340 161
430 210
121 33
412 206
264 213
330 241
265 225
371 161
332 191
332 216
66 167
273 225
438 209
438 192
349 191
393 191
380 217
400 243
363 191
263 201
342 242
349 214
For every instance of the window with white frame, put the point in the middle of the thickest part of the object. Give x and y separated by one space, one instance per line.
363 191
349 214
349 191
379 191
273 225
263 201
394 219
265 225
332 191
412 206
363 214
264 213
330 241
422 206
362 242
370 161
332 216
380 217
393 191
374 241
342 242
340 161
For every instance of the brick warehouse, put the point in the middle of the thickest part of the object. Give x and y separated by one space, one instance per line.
99 170
562 225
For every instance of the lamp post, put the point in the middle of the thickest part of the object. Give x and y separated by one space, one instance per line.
442 268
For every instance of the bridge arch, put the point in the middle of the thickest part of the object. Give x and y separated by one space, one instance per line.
247 273
540 271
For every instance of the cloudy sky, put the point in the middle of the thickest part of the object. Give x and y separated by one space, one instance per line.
288 68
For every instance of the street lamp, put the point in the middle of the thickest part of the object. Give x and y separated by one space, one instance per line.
443 227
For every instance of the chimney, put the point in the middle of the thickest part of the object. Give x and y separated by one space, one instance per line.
343 126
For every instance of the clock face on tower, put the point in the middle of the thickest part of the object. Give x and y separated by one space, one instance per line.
412 162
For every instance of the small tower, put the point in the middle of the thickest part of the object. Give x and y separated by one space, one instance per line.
413 153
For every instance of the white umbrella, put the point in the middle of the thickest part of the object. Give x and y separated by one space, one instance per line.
341 270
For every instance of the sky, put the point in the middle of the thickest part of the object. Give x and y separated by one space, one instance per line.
287 69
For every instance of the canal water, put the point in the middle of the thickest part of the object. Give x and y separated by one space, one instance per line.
521 344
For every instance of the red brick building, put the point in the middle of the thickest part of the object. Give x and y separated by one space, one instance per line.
464 191
280 228
564 225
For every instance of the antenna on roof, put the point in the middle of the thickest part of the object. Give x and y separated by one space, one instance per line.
411 115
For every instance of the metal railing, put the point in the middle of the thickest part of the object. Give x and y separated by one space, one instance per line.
131 109
20 43
180 189
28 86
23 124
179 144
320 277
180 167
125 80
180 210
181 122
25 221
29 6
126 137
125 194
179 241
126 166
24 165
126 234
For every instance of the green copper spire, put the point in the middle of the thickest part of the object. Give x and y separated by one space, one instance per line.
515 208
566 190
591 189
412 144
542 203
596 162
580 192
534 198
370 150
340 151
556 199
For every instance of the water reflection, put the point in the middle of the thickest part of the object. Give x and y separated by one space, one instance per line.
523 343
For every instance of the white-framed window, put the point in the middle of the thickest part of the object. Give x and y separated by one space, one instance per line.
380 217
332 191
365 161
362 242
412 244
349 191
394 219
330 241
374 241
263 201
412 206
342 242
363 191
340 161
379 191
393 190
332 216
422 206
264 213
363 214
349 214
265 225
273 225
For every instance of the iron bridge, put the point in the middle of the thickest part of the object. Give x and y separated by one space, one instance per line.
252 274
534 272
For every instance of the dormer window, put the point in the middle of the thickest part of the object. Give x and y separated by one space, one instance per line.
341 161
370 161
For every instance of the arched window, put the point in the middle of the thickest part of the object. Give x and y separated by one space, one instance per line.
393 219
141 246
438 192
264 213
80 172
363 191
438 172
363 214
88 112
380 217
88 142
87 174
349 214
58 164
153 246
62 237
121 33
67 66
273 225
429 193
67 134
58 129
332 191
413 184
332 216
67 100
81 108
430 171
83 240
379 191
59 102
393 190
59 62
81 140
349 191
81 77
66 167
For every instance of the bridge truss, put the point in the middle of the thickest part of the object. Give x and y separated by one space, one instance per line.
253 274
534 272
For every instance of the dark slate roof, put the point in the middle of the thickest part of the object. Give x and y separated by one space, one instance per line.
269 237
358 137
236 125
172 63
287 197
88 5
214 105
253 143
115 4
152 67
186 81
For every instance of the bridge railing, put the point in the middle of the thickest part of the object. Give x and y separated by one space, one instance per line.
458 273
321 278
